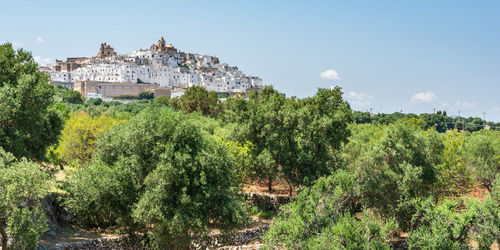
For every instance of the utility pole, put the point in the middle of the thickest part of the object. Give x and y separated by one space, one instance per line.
459 118
484 120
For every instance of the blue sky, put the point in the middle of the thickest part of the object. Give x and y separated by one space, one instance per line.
386 55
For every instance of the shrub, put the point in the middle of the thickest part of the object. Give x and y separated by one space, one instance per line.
79 136
487 227
166 170
321 217
401 162
454 174
483 153
450 224
22 218
100 195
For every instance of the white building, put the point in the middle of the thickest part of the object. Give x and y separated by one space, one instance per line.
161 64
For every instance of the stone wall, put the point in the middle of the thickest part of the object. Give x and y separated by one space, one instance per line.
122 242
136 242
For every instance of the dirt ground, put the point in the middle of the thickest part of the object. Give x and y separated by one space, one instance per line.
260 187
71 233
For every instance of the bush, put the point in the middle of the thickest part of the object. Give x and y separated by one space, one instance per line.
321 217
368 232
72 96
166 170
146 95
22 218
487 227
79 136
402 162
483 153
100 195
450 224
454 174
441 226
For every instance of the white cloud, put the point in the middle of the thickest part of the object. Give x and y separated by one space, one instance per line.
39 40
359 99
329 74
42 61
424 97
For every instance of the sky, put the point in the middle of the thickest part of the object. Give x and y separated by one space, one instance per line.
410 56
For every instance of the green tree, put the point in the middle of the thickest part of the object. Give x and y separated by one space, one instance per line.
22 218
100 195
72 96
402 161
454 174
168 174
163 100
322 217
483 153
197 99
27 124
146 95
80 134
441 226
440 121
294 140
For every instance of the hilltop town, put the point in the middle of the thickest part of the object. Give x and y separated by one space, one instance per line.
161 69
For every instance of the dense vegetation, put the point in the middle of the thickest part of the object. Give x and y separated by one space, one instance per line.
174 168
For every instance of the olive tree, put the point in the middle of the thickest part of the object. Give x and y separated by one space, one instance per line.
163 172
296 140
483 154
79 136
323 216
22 218
401 166
27 124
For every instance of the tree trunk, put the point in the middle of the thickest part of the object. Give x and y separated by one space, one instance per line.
290 189
270 185
4 238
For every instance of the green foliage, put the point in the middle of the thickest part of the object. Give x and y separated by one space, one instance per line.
439 120
483 153
369 232
321 217
22 185
486 228
146 95
197 99
163 100
169 174
93 102
402 162
126 97
101 195
362 140
441 226
455 176
294 140
27 124
450 224
79 136
72 96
